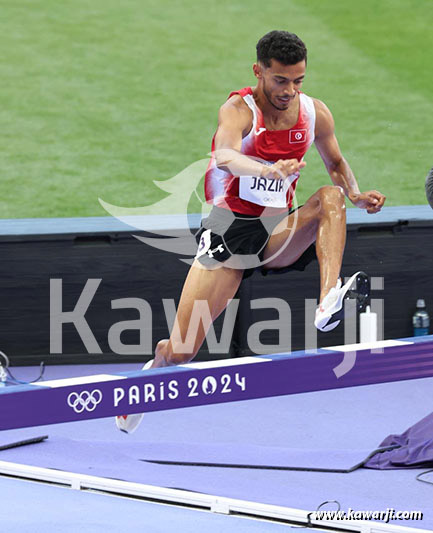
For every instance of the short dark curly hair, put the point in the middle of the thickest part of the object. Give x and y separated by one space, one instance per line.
285 47
429 187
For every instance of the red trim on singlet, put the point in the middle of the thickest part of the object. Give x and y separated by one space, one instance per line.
222 188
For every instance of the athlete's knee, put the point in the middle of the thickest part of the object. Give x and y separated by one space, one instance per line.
331 193
173 353
330 199
182 352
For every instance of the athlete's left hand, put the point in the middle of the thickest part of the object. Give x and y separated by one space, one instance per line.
372 201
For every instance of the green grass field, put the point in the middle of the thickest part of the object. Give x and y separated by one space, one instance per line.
98 99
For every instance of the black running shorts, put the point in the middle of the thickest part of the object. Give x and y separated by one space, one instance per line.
240 240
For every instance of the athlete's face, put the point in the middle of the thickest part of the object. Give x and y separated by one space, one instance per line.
280 83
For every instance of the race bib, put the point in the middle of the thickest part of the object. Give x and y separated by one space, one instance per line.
265 191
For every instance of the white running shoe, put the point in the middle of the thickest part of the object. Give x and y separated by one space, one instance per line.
129 423
331 311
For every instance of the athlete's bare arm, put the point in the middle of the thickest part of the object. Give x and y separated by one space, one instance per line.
338 168
235 120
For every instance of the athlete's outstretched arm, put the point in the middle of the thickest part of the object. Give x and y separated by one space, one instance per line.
338 168
234 122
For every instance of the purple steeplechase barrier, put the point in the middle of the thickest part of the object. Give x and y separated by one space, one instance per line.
106 395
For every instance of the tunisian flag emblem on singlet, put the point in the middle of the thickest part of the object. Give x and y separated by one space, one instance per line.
297 136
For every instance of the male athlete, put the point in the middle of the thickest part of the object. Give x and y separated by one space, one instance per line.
429 187
257 155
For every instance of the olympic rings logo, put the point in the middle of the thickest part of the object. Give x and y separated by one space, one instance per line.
85 401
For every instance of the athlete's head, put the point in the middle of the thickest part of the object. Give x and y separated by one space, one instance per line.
429 187
280 67
286 48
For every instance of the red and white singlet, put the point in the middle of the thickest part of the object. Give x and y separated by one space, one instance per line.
250 195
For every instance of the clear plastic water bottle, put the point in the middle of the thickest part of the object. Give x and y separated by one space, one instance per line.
420 319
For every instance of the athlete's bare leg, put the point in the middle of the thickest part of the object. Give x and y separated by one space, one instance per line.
322 219
215 287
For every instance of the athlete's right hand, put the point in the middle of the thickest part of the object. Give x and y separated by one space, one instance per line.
282 169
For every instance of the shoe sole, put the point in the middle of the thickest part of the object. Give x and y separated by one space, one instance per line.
119 419
360 294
